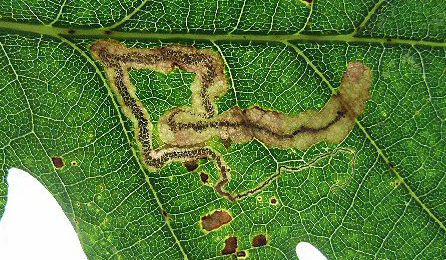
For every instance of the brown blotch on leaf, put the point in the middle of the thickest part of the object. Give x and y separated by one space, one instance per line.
71 31
230 246
164 213
191 165
204 177
391 164
108 32
227 143
259 240
215 220
273 201
240 254
57 162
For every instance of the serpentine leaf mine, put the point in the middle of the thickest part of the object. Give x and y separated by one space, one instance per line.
185 130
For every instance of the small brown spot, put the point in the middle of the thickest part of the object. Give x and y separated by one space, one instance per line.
240 254
71 31
164 213
230 246
227 143
108 32
273 201
191 165
259 198
388 39
57 162
102 187
73 163
215 220
204 177
76 221
308 1
391 164
259 240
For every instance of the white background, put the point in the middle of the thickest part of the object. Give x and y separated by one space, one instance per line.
35 227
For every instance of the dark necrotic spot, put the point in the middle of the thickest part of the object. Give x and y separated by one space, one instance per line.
164 213
215 220
227 143
308 1
108 32
204 177
57 162
71 31
259 240
230 246
241 254
389 39
191 165
274 201
73 163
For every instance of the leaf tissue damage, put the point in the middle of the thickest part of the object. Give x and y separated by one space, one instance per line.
57 162
215 220
185 130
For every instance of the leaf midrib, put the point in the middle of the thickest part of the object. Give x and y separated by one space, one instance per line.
280 38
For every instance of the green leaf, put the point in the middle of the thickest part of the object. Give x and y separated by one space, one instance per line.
57 107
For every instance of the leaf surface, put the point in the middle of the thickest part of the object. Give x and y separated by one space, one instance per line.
61 122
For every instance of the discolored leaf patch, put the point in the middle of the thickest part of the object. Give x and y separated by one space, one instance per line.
184 130
273 201
259 240
57 162
191 165
215 220
204 177
230 246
